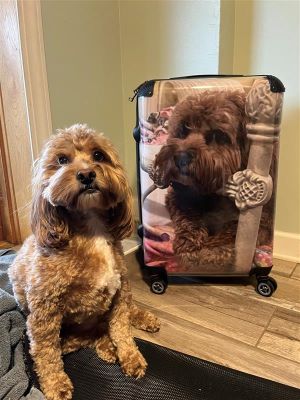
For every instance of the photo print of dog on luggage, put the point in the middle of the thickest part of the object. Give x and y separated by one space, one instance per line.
202 203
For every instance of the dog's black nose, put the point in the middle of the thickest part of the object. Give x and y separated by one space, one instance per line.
182 159
86 176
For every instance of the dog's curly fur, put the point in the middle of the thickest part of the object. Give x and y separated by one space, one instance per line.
206 145
70 276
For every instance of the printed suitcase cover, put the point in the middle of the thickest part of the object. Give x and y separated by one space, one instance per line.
208 162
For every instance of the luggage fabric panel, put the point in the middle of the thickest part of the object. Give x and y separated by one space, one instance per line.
207 148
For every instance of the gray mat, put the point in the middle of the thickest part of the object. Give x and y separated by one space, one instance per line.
14 381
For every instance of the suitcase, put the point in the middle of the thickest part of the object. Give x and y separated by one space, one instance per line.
207 154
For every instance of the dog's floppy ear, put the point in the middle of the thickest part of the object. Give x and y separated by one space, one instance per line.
121 221
47 221
120 216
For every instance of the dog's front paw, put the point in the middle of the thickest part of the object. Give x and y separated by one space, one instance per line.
145 320
57 386
133 363
152 323
149 322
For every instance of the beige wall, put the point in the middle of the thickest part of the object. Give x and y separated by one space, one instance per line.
267 42
82 46
227 32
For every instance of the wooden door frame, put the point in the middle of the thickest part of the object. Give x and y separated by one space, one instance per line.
9 220
34 65
26 116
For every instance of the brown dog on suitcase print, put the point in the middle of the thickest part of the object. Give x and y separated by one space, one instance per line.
207 143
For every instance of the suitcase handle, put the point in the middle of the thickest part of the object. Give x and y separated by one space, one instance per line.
263 108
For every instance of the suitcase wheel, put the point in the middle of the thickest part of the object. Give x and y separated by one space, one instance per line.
266 286
158 286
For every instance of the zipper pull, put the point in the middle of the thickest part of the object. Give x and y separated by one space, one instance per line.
135 92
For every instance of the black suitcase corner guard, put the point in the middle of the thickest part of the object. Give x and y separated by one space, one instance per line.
276 85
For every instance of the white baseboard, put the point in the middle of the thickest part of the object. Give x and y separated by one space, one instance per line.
130 245
287 246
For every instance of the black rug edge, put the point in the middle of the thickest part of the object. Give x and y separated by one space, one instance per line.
206 363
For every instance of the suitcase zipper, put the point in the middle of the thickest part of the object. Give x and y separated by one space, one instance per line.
146 88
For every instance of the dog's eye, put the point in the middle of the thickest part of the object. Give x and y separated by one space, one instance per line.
63 159
98 155
183 130
217 136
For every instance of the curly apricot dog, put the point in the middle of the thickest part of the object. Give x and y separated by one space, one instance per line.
207 143
70 275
